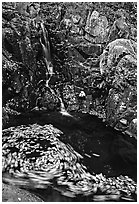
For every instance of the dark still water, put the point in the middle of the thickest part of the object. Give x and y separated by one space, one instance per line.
103 149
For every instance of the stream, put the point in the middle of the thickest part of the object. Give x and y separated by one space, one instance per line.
104 150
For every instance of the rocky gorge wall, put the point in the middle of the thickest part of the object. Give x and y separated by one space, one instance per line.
93 48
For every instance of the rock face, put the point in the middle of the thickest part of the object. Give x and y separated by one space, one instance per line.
119 64
23 61
77 39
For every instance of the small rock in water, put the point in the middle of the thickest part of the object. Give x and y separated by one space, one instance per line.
14 194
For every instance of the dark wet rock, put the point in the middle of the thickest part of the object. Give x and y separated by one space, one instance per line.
70 99
5 117
48 101
9 10
89 49
22 58
14 194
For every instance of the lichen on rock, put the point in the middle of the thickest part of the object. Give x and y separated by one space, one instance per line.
119 64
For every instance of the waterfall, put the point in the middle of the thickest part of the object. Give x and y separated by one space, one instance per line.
63 110
46 54
88 20
49 67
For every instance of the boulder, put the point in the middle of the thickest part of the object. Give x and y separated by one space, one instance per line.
133 34
119 65
115 51
74 55
49 101
120 112
5 117
120 28
96 28
76 24
15 194
90 50
70 97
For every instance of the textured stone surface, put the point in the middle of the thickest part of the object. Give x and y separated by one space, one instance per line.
75 60
120 27
119 64
90 49
96 28
115 51
14 194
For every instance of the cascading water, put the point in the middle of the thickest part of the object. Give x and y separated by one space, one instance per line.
44 41
46 54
